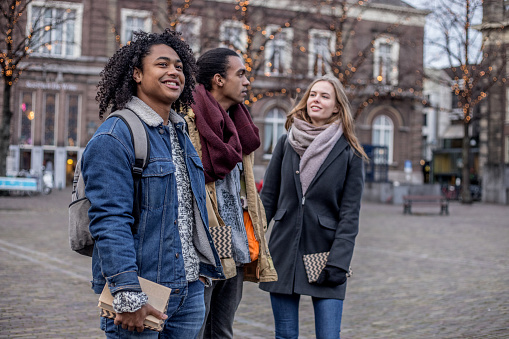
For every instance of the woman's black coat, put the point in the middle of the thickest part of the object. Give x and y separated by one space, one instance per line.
325 219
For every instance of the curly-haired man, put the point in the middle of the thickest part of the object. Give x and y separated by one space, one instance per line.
153 77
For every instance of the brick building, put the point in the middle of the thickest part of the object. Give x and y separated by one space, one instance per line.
377 46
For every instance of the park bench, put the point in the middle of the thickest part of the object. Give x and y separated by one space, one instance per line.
425 200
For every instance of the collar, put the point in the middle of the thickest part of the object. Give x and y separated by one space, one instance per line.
144 112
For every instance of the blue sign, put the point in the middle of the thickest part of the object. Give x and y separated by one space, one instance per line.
20 184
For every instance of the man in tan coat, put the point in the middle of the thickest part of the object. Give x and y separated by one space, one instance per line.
224 135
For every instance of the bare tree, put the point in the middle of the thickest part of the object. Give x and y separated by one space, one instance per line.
351 58
16 44
341 53
471 62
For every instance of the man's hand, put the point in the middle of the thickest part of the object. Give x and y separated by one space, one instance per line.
134 321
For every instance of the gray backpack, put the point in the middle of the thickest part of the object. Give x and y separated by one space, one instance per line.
79 234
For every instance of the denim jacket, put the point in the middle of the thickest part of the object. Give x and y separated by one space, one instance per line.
155 251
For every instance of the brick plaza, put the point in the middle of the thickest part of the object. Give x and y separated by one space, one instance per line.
415 276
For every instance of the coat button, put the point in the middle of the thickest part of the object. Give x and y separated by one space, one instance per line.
176 255
177 291
161 131
297 172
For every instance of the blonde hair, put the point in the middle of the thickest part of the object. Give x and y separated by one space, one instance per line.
344 114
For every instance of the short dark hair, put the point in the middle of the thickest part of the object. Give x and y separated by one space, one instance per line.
117 85
212 62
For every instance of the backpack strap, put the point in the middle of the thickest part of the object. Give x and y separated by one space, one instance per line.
141 144
139 137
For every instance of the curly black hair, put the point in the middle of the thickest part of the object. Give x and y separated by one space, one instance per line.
117 85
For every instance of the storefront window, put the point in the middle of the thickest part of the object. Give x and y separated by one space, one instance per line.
72 119
49 119
27 117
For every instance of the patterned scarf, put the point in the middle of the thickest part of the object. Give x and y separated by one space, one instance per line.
223 137
313 144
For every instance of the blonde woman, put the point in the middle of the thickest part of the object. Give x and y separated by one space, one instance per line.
312 189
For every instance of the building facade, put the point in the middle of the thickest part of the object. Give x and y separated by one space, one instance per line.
375 47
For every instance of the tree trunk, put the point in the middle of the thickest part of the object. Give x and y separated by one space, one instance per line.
466 197
5 131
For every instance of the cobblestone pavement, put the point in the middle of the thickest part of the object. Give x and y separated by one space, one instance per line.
418 276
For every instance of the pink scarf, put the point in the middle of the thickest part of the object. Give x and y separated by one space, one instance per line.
223 139
313 144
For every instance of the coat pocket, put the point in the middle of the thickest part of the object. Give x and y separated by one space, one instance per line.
279 214
157 188
327 222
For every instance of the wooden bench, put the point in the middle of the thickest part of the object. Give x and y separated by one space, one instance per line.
433 200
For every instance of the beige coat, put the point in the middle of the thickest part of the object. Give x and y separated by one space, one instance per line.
261 270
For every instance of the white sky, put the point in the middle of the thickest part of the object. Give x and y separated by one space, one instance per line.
433 56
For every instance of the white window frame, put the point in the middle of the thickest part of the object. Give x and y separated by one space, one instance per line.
286 43
78 23
194 39
313 35
383 124
393 72
274 121
242 39
125 13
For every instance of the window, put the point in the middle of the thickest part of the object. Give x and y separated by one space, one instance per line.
321 43
507 104
233 35
56 27
278 50
49 126
386 59
383 134
454 101
190 27
72 107
27 117
134 21
506 153
274 128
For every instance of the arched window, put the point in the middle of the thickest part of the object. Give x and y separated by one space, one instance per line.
274 127
383 134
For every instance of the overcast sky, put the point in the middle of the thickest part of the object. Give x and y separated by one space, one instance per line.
433 56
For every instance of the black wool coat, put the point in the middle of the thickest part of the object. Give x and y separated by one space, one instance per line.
325 219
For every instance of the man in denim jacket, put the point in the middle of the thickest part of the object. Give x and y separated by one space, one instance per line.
172 245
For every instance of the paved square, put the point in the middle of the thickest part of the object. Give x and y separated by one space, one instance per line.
415 276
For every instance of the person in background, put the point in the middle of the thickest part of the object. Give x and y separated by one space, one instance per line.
171 244
222 131
312 189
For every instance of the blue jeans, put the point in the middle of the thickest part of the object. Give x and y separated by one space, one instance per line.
186 311
221 301
285 308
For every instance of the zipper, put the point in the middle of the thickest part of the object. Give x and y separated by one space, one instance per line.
303 200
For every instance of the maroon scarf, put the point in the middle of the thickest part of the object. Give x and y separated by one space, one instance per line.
223 139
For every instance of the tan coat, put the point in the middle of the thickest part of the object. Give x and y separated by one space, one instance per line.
261 270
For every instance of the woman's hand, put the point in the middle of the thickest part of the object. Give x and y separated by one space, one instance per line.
331 276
